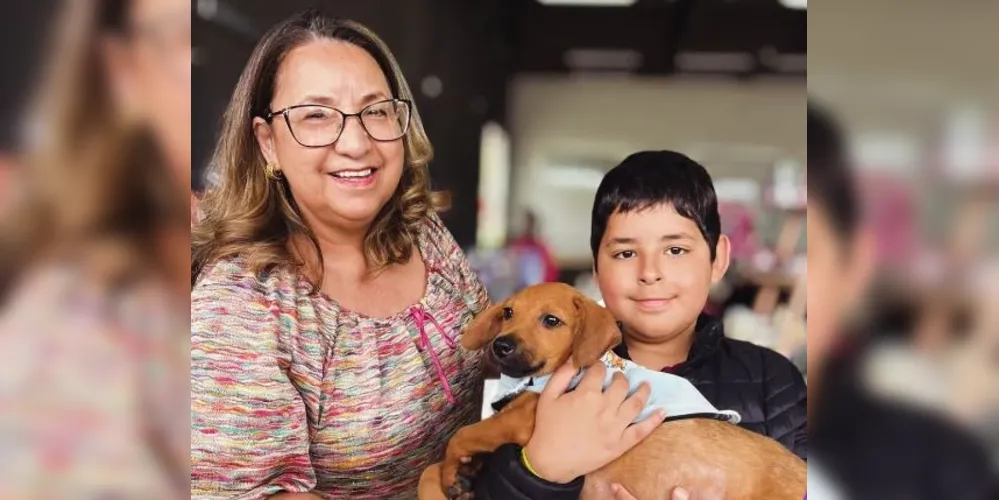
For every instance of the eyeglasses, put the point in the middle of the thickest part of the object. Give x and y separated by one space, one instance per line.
315 126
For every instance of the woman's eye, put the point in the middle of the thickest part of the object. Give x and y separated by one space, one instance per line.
507 313
551 321
624 254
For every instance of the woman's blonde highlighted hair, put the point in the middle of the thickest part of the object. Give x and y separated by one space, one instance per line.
247 214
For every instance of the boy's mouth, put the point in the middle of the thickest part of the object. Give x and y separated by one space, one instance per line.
653 304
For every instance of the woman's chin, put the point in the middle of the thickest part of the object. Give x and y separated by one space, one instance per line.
357 213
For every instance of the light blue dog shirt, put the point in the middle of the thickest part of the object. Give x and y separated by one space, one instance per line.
673 394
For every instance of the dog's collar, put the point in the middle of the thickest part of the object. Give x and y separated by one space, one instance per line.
674 394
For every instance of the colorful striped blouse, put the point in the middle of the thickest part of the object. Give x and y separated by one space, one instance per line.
290 392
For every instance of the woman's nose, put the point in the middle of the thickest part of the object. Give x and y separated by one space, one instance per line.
354 140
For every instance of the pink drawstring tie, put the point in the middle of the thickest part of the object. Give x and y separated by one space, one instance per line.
420 317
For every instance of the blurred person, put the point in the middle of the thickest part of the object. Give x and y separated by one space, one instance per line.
534 256
327 294
657 250
92 328
864 446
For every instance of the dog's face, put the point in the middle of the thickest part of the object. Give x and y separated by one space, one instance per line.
536 330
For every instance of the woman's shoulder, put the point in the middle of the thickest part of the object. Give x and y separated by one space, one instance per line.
436 240
236 275
433 227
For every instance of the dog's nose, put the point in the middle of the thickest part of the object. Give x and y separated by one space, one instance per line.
504 346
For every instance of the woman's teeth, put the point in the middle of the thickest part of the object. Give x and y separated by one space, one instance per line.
354 173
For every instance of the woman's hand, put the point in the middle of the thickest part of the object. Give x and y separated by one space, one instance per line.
578 432
622 494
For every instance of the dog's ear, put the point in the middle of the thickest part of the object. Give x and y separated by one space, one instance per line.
483 329
596 332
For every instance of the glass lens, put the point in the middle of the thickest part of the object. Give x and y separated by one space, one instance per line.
315 126
387 120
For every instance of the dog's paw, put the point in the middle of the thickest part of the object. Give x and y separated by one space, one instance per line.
452 463
471 468
449 475
461 490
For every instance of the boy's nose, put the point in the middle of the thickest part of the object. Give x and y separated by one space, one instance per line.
650 278
650 273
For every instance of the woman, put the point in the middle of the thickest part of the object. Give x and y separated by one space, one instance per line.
92 329
327 295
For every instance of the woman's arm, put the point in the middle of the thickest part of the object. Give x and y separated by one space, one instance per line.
249 427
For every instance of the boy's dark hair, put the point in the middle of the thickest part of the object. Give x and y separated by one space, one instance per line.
830 181
653 178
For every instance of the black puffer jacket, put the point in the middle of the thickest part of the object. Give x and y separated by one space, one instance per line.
763 386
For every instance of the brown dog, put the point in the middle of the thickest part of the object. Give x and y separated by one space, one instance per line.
536 331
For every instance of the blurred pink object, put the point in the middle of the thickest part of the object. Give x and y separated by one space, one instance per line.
889 206
737 224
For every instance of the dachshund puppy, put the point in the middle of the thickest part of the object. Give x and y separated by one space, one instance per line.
698 447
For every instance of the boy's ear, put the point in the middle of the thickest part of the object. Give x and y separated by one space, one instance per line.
722 252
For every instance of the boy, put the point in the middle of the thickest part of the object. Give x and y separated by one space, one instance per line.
657 249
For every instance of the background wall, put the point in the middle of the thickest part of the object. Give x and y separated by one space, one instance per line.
567 130
468 61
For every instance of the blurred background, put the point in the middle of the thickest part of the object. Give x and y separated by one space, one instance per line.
529 102
914 84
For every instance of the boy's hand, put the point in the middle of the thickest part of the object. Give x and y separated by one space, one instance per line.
556 450
622 494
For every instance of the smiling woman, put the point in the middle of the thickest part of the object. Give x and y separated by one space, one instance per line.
278 179
327 294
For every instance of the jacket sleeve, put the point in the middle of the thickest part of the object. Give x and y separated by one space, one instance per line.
786 403
504 477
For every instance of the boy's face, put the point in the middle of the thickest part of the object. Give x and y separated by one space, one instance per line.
654 271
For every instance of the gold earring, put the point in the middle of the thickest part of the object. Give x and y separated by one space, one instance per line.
272 172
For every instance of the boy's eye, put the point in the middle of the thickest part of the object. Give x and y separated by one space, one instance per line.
624 254
676 251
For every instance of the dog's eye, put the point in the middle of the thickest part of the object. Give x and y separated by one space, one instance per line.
551 321
507 313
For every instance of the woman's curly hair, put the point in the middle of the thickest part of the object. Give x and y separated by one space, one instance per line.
251 216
